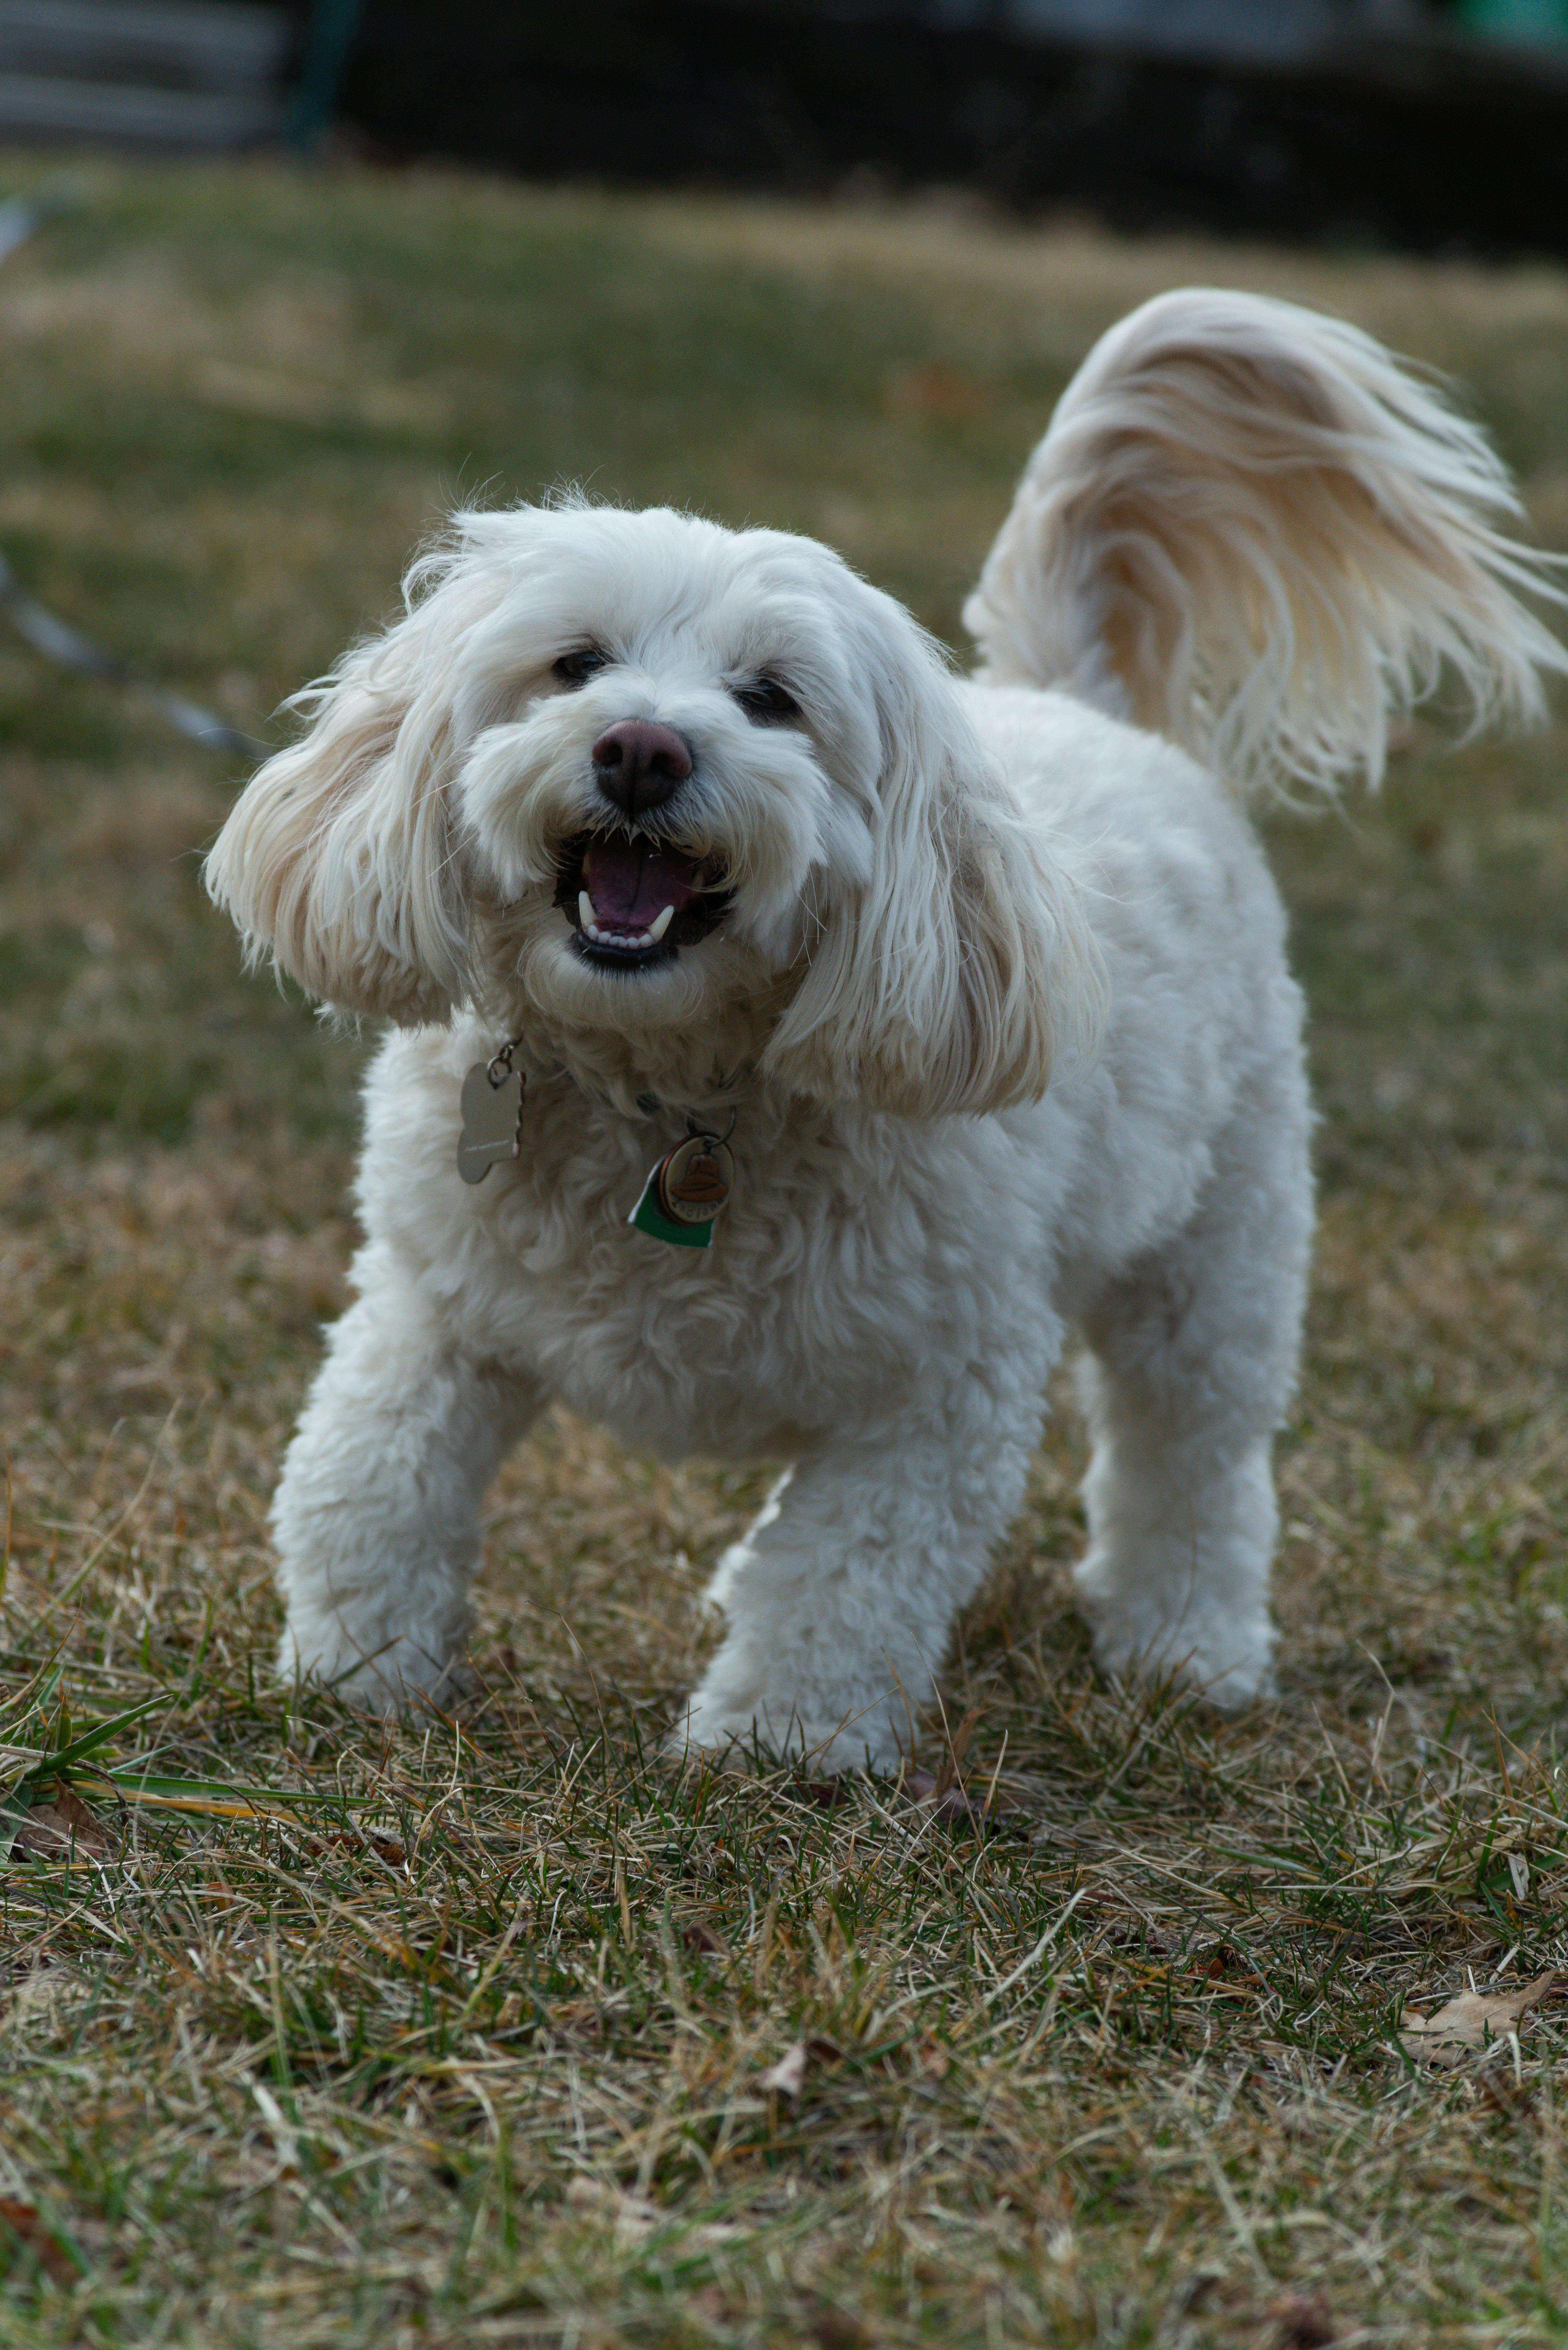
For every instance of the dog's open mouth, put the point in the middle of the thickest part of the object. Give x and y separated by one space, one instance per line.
633 900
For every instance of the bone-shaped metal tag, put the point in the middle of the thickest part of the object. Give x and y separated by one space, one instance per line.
491 1120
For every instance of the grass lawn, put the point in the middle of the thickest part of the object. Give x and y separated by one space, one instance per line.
495 2032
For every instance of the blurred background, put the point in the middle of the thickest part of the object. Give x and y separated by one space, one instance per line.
1440 125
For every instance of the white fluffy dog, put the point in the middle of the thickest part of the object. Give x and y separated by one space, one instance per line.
973 992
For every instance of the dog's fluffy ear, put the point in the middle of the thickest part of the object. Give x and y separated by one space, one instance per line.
946 975
336 860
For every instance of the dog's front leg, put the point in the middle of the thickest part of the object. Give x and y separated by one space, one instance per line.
377 1514
841 1598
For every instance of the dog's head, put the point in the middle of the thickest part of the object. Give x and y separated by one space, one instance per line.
633 778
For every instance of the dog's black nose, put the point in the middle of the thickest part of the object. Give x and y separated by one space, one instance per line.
639 765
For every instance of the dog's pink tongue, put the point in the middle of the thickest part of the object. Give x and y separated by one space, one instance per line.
632 881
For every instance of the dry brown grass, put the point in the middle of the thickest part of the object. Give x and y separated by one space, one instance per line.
467 2037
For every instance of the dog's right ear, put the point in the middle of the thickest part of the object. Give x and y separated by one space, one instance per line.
337 861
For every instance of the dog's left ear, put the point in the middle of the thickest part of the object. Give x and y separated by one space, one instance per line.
945 976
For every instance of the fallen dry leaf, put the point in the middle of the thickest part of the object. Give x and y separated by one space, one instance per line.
66 1824
27 2224
1302 2321
788 2076
1470 2021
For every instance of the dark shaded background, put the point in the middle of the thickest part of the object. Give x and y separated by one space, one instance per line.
1427 135
1431 125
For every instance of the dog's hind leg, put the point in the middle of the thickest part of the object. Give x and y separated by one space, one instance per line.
377 1512
1191 1365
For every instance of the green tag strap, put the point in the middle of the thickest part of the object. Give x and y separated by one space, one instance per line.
649 1218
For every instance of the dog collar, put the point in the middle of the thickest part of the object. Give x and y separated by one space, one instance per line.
683 1194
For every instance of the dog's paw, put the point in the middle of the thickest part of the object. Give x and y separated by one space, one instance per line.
1226 1684
1149 1623
743 1736
1232 1669
399 1678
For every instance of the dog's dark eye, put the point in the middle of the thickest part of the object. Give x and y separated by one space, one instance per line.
575 669
767 703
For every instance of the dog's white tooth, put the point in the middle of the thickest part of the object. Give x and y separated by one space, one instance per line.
655 930
585 910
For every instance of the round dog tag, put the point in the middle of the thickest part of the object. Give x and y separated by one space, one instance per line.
695 1181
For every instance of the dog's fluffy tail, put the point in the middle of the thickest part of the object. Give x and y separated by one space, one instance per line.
1249 529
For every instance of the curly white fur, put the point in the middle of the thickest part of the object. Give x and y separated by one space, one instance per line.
1000 1000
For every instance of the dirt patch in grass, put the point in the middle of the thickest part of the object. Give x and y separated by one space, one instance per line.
493 2030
